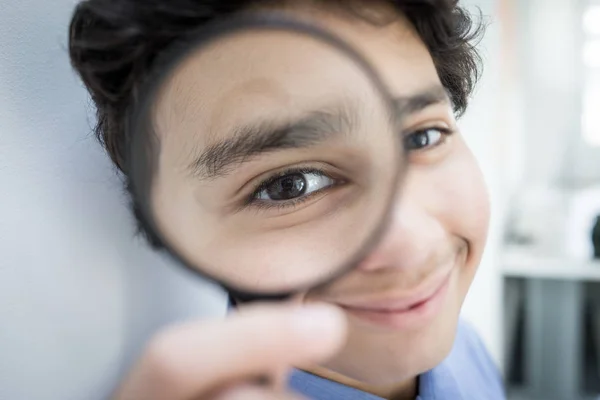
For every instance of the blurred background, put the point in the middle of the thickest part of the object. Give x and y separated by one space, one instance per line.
550 177
79 294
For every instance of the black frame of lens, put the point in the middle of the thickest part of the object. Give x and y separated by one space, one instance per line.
140 176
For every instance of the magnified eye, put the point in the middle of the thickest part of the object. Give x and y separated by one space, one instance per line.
293 186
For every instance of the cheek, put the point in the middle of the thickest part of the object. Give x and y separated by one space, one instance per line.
461 200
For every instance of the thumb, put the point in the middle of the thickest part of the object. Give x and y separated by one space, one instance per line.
189 360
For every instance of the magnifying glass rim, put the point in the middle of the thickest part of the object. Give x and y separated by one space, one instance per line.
162 69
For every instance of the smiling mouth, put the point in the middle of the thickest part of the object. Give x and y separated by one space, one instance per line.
404 312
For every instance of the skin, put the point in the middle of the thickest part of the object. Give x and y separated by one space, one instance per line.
439 226
218 360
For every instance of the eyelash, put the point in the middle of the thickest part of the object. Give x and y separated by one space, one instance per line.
253 201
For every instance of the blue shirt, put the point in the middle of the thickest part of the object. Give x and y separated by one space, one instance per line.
468 373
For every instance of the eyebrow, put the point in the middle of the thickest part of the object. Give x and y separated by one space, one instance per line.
251 140
407 105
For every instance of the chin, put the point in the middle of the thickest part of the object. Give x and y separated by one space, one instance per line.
383 357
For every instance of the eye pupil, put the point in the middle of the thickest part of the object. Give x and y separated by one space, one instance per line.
287 187
419 141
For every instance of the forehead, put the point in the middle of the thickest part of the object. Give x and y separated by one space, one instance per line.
256 72
252 74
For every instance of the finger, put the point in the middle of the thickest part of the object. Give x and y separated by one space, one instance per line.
189 360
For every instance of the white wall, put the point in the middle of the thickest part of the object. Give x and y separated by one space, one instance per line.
550 74
78 294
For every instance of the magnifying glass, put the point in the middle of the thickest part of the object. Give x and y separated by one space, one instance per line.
265 154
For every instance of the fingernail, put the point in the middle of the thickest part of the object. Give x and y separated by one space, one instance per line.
314 320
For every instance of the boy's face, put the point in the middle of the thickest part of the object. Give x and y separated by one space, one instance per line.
403 301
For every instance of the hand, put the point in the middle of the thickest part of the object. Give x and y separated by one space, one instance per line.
218 360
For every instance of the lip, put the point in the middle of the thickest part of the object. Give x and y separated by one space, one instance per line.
404 312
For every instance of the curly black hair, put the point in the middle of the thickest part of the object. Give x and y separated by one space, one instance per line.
113 43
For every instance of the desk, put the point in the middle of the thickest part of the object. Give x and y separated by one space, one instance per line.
553 320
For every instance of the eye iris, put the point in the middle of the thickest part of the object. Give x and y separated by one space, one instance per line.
287 187
418 141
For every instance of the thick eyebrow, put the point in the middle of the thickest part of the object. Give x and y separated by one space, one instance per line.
407 105
254 139
251 140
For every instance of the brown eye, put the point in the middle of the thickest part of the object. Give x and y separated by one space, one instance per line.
286 187
292 185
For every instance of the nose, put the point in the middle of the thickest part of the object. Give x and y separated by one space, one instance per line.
414 236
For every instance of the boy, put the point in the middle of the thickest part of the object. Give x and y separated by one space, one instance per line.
390 328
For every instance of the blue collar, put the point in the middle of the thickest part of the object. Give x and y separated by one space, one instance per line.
438 380
468 373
